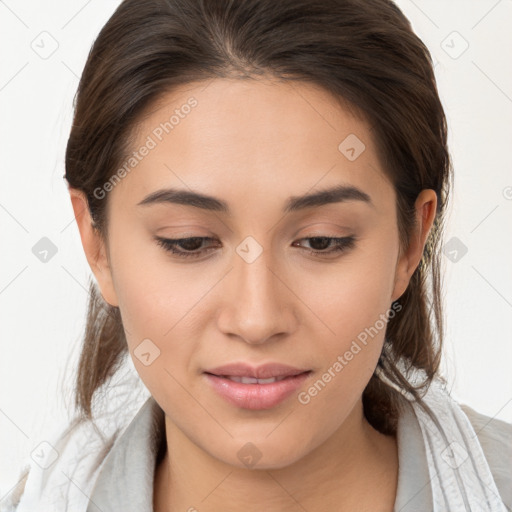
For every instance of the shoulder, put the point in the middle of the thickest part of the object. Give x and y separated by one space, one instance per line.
75 450
495 437
61 454
10 502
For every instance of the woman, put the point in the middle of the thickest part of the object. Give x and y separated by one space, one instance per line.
260 191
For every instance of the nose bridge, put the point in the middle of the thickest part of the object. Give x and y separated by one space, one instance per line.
255 307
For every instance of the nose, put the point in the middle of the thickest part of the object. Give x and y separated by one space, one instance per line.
257 306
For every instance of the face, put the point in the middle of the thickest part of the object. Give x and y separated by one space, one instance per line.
264 277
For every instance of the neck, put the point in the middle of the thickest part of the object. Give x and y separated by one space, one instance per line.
338 473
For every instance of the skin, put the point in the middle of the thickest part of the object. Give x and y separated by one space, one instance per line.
254 144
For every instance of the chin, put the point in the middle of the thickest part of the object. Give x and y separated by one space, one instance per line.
263 455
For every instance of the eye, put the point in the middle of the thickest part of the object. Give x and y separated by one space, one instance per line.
192 247
336 245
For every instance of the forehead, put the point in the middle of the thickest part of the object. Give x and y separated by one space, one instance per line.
251 138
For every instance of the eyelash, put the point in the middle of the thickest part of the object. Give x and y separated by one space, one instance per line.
341 245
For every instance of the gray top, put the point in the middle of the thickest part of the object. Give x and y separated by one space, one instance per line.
125 481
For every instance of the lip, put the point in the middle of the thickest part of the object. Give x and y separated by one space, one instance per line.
265 371
256 396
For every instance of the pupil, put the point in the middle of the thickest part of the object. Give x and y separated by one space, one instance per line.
324 243
191 244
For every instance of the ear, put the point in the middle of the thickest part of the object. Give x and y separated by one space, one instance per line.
408 260
94 246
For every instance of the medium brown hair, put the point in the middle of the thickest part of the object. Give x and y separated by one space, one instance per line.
363 52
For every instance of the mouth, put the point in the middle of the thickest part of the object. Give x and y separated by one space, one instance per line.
256 388
251 380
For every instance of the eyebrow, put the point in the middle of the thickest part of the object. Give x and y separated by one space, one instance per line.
337 194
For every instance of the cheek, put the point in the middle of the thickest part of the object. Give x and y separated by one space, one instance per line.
153 292
161 328
352 296
353 303
159 304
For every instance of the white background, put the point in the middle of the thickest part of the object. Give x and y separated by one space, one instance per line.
43 305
